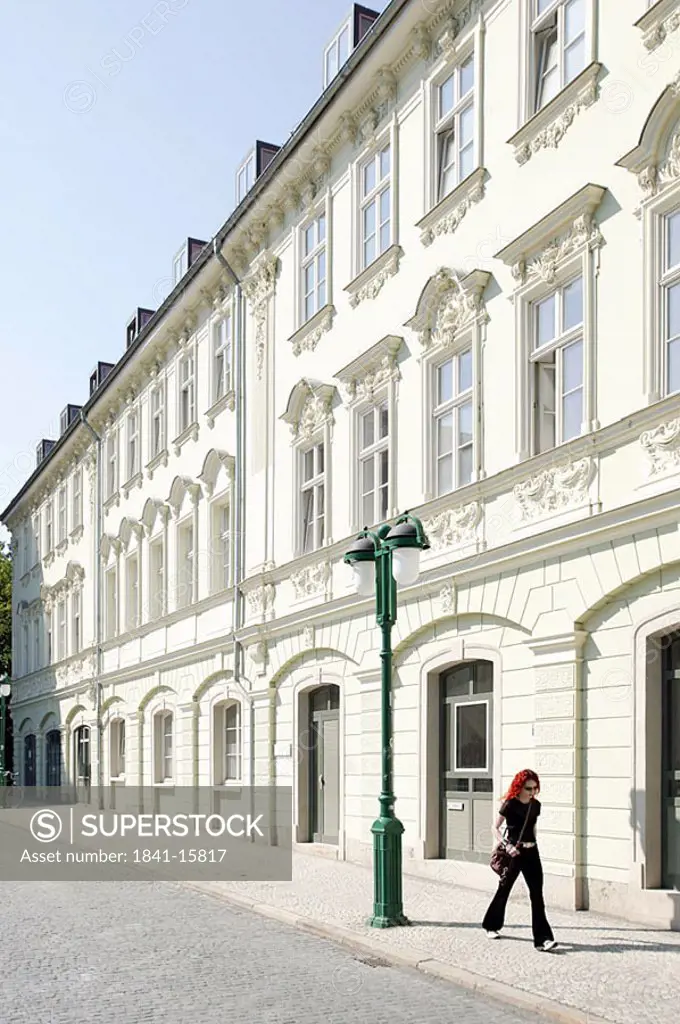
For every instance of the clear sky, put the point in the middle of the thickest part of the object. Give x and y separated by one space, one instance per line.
122 125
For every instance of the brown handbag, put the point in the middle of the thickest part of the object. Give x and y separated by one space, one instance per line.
500 858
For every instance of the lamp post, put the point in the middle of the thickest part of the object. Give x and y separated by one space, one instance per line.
381 560
5 690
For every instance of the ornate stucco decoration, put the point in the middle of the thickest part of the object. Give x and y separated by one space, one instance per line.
662 447
311 581
447 305
448 598
445 217
453 24
547 128
656 159
365 376
555 489
309 409
261 601
657 23
153 508
309 335
182 485
453 527
570 228
213 464
371 281
307 639
259 289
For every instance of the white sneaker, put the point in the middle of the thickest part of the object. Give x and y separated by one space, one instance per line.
547 946
493 935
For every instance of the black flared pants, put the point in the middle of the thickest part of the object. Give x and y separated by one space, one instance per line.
528 863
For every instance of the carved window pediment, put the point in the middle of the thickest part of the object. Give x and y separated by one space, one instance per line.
309 408
447 305
561 234
213 463
656 158
657 23
364 376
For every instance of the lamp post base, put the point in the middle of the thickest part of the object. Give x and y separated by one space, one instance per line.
388 910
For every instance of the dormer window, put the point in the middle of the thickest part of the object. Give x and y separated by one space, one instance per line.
245 179
179 265
337 53
347 38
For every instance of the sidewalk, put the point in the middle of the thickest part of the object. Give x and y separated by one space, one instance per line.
605 969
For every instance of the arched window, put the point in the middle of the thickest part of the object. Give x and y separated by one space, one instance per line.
163 746
227 743
53 758
117 748
82 752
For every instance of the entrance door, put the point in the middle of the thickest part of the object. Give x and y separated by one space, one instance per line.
324 731
671 767
53 758
466 761
29 760
82 756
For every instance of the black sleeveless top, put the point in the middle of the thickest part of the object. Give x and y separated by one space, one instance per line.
514 813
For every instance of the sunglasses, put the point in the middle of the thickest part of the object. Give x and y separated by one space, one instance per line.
531 788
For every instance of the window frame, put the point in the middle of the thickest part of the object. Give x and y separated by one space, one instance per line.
184 555
112 602
541 24
157 543
62 629
77 500
373 451
112 468
319 249
157 416
386 140
160 755
443 124
313 484
334 45
49 527
133 446
437 409
62 517
76 621
457 705
222 344
655 283
117 739
132 592
187 386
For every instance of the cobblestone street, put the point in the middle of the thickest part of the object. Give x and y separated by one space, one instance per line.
146 952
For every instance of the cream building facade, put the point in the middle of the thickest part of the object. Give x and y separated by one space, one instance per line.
456 290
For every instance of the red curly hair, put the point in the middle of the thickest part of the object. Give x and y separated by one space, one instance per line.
517 784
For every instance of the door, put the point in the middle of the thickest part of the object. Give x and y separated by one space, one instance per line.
324 730
29 761
81 741
466 762
670 811
53 758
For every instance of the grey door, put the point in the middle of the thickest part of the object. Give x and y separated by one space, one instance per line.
53 758
324 729
671 767
466 761
29 760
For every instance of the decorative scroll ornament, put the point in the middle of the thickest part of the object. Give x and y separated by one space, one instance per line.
259 290
453 527
447 305
662 447
309 408
555 489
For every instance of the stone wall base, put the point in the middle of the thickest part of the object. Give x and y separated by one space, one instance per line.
654 907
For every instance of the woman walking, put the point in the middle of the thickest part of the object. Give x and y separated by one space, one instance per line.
519 812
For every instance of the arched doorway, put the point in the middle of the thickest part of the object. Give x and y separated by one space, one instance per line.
466 761
29 760
53 758
320 749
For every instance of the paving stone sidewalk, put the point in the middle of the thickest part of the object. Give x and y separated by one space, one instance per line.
606 969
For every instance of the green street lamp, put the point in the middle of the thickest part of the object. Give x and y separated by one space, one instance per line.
5 690
382 560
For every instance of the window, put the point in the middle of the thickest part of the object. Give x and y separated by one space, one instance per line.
76 612
49 539
186 393
163 722
36 645
374 464
133 445
376 207
48 640
36 538
557 363
313 267
25 550
77 500
157 422
185 566
453 422
156 579
336 54
180 265
61 629
245 178
312 498
111 603
558 34
670 287
132 593
221 547
117 748
24 648
455 128
222 348
111 465
53 758
61 506
227 743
